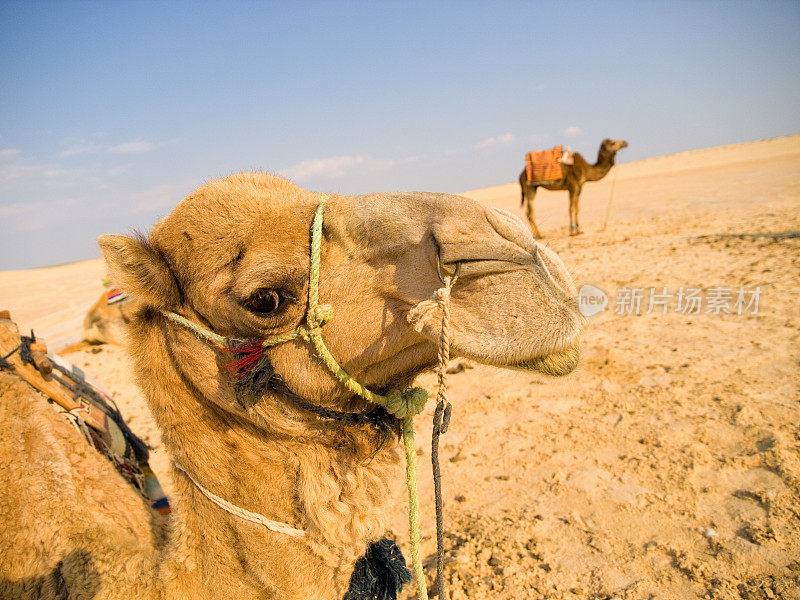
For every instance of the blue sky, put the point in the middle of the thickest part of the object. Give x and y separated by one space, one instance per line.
111 112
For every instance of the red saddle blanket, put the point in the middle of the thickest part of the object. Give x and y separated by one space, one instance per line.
544 165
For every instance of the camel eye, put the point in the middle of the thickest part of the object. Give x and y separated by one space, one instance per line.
265 302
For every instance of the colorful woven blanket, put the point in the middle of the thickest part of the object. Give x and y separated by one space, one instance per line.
544 165
114 295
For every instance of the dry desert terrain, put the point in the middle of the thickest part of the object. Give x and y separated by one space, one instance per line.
668 466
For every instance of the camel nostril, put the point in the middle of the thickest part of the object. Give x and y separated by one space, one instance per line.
442 274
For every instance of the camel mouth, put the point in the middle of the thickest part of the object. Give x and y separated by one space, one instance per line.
556 364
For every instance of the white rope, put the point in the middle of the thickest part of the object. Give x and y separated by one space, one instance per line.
275 526
610 198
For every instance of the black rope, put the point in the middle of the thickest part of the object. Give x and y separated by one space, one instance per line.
776 235
25 352
377 417
441 421
249 388
4 362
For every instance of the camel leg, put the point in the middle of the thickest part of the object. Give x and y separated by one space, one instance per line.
574 207
529 193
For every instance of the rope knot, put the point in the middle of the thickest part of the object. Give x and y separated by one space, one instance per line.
318 315
406 403
427 311
419 315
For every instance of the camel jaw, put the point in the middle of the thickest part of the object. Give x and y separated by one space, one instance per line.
555 364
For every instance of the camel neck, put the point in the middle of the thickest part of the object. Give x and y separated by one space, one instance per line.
284 470
605 160
231 557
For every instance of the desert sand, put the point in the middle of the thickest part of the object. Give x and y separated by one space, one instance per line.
666 467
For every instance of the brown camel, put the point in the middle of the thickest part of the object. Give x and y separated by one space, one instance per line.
106 323
233 257
574 176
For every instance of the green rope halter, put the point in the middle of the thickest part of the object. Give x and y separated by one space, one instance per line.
403 404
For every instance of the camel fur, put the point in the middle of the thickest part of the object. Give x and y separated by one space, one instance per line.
70 531
574 176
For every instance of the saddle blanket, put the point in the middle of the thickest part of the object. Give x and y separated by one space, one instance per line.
544 165
114 294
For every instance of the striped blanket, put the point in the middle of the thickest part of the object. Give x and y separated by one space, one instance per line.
545 165
114 294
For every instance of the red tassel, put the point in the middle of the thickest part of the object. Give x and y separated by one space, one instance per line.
248 354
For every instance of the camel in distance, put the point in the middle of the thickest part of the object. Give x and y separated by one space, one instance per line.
106 321
574 176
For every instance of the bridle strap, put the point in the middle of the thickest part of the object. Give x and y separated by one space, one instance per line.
277 384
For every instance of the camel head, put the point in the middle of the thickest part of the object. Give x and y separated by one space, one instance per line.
105 323
613 146
234 257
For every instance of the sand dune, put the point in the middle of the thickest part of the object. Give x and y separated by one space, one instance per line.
53 300
668 466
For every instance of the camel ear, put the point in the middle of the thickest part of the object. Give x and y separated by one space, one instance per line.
140 270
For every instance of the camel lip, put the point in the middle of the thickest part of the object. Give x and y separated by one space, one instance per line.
556 364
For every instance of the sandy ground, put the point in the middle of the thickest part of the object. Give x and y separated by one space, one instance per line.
668 466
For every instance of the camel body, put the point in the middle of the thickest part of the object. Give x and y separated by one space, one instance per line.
70 526
574 176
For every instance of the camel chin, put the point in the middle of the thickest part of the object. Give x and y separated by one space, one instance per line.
555 364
